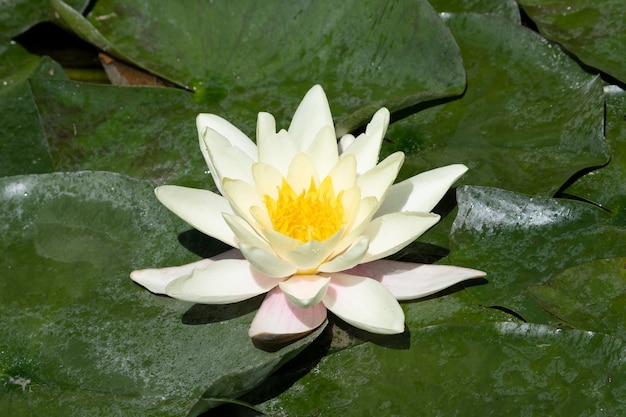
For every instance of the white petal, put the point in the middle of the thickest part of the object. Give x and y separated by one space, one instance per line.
226 160
408 281
421 192
156 279
377 180
364 303
275 149
345 142
267 263
343 173
305 256
277 318
305 290
301 171
323 151
267 179
222 282
366 146
242 197
235 136
357 224
245 233
392 232
312 114
350 258
200 208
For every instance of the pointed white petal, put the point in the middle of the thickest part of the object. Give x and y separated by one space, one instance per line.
301 170
226 160
344 142
278 317
222 282
242 197
277 151
377 180
350 258
392 232
305 291
310 117
200 208
421 192
305 256
364 303
245 233
366 146
267 179
357 224
235 136
265 128
343 173
156 279
408 281
323 151
267 263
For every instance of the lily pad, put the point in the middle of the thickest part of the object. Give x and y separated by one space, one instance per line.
505 8
606 187
16 16
494 369
78 336
393 54
593 30
529 119
522 241
23 148
589 296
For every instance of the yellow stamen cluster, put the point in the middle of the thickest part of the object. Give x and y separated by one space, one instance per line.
314 214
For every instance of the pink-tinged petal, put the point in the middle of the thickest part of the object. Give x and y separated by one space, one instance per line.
312 114
226 160
278 319
200 208
323 151
364 303
376 181
221 282
156 279
222 126
350 258
392 232
421 192
267 263
305 291
408 281
366 146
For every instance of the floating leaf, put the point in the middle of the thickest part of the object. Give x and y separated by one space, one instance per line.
78 336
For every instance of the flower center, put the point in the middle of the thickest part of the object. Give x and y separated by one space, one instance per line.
314 214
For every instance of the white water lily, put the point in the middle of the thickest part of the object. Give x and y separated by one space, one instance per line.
310 220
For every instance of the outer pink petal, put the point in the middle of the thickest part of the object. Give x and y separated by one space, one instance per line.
156 279
408 281
364 303
277 318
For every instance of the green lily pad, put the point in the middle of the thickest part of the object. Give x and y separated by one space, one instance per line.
505 8
593 30
606 187
23 148
78 336
529 119
589 296
16 16
394 55
522 241
500 369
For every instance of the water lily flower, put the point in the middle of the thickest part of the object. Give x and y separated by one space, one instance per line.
310 220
